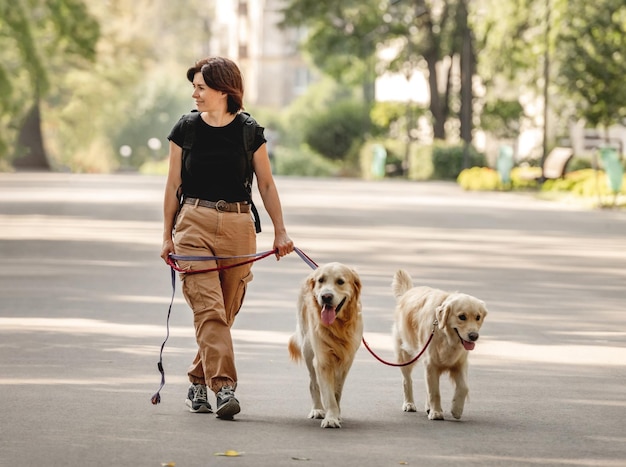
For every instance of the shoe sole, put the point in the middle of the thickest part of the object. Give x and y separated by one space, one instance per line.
201 409
228 410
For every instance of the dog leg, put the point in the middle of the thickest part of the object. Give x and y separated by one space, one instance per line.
433 404
461 391
407 386
328 388
317 411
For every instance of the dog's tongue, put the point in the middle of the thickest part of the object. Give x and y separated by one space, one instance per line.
468 345
328 315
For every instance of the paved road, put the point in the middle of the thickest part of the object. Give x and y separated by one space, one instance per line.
84 295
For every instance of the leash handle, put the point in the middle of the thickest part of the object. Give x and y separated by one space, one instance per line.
252 258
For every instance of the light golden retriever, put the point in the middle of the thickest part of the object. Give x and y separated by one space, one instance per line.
328 334
458 319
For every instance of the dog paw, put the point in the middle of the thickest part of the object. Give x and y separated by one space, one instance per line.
434 415
409 407
330 422
317 413
457 413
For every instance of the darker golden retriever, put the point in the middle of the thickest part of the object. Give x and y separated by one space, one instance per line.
328 334
456 319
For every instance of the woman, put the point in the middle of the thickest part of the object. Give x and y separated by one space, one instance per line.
215 220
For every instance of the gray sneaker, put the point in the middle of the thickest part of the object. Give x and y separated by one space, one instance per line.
227 403
197 399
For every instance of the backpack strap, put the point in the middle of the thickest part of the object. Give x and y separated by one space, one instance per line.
250 130
190 122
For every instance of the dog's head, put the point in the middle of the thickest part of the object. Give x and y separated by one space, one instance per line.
334 285
461 316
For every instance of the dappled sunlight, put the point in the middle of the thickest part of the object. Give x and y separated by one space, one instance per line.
56 228
89 326
526 460
91 381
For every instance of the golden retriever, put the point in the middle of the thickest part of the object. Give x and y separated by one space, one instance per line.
328 334
456 319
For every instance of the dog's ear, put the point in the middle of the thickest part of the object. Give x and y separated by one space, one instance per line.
443 311
310 281
356 281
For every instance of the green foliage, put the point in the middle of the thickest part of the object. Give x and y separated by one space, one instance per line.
334 132
157 107
502 117
39 41
592 55
578 163
421 162
448 160
303 162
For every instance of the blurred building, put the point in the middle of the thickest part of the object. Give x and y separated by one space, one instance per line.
247 31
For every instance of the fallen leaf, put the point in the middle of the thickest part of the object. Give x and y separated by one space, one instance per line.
229 453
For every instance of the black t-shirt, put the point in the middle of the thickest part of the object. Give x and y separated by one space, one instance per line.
215 168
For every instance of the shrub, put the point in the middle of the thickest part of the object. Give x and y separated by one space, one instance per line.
333 132
448 160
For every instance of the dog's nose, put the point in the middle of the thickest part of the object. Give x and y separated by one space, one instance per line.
473 336
327 298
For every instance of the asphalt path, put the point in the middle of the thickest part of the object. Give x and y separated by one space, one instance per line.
84 298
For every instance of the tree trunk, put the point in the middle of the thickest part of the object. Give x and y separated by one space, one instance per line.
436 107
30 151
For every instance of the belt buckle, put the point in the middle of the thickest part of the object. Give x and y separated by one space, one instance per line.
221 206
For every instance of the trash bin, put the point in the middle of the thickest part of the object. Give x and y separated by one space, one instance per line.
379 160
504 162
613 168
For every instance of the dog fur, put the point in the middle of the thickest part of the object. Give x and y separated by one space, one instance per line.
328 334
459 317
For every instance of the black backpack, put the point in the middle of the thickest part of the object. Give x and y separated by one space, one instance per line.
250 130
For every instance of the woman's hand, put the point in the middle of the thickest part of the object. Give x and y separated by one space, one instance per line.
283 245
166 249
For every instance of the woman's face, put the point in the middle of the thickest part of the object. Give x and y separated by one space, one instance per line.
206 98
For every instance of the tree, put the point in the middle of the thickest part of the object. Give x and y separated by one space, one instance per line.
342 39
36 36
591 47
427 34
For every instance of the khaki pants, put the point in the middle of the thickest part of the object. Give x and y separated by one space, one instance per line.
215 297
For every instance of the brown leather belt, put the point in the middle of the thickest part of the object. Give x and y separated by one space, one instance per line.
221 205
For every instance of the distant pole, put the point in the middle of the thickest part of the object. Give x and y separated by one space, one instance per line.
546 82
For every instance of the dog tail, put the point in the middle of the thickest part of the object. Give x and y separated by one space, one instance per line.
401 283
294 349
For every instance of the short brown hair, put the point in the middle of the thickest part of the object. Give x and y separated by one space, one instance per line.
223 75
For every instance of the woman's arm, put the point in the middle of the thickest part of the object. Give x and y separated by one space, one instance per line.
271 200
170 200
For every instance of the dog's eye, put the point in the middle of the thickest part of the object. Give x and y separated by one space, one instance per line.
340 282
462 317
477 317
321 280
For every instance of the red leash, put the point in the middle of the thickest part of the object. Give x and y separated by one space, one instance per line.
430 338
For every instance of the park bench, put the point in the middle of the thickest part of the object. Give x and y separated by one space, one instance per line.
555 163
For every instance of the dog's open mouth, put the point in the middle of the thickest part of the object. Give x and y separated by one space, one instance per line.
329 313
468 345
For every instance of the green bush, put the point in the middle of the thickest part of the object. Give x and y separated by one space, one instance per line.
448 160
333 133
303 162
